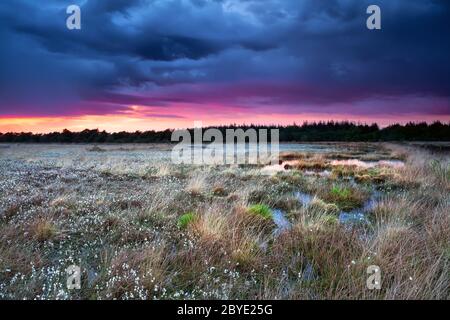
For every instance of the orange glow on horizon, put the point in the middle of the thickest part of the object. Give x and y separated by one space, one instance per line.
134 121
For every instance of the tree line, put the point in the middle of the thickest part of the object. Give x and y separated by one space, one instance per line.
315 131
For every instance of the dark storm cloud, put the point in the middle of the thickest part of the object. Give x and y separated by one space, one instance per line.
290 54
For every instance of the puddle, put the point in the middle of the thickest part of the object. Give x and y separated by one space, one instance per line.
310 147
360 215
287 165
373 201
273 169
92 276
282 224
354 216
308 274
304 198
325 173
281 221
368 164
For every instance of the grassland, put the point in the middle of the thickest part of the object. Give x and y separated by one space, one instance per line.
142 228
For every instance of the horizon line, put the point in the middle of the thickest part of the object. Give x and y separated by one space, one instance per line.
238 125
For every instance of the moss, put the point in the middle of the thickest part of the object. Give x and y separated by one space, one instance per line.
344 197
260 210
363 178
340 192
185 220
328 208
289 156
343 171
309 165
374 175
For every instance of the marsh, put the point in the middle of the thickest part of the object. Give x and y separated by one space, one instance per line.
141 227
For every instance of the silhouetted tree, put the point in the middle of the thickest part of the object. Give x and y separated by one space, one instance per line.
315 131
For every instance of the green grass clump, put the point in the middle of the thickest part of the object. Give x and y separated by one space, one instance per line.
345 198
261 210
185 220
340 192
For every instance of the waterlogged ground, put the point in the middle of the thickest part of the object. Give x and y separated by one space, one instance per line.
140 227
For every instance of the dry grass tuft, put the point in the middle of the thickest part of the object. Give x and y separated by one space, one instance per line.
197 184
211 225
44 230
